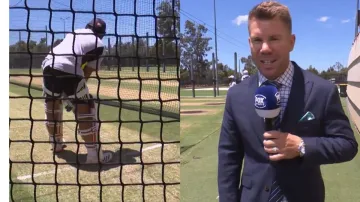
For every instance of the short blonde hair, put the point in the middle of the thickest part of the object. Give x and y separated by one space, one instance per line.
269 10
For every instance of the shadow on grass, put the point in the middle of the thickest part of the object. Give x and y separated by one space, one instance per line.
120 157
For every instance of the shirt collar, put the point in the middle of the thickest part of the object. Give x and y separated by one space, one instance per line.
285 79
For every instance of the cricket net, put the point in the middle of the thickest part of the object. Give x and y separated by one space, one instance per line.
137 88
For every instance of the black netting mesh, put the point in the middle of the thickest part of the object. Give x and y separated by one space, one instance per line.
137 89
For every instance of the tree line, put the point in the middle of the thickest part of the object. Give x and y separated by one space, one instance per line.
195 48
147 50
337 71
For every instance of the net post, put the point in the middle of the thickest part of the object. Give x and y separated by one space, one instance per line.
46 35
192 75
214 72
119 63
163 53
147 51
240 74
235 66
108 58
216 76
133 48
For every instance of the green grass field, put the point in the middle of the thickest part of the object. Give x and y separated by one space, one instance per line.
152 71
199 140
132 128
201 93
126 84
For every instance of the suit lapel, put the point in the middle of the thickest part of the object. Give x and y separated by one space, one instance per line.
300 90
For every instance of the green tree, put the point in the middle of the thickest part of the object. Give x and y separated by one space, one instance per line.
344 70
41 46
168 23
336 71
337 66
194 47
168 26
248 64
339 72
313 70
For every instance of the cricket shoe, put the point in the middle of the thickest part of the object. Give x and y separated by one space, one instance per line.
57 144
94 155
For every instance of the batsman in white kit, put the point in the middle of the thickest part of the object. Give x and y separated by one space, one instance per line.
65 71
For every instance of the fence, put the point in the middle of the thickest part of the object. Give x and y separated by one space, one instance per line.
207 80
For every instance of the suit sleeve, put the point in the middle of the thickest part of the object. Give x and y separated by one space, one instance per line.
230 156
338 144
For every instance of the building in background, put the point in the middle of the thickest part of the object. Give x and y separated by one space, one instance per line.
353 77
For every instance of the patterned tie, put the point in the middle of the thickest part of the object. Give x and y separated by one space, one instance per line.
276 194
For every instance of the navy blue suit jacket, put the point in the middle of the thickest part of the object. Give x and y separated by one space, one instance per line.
328 138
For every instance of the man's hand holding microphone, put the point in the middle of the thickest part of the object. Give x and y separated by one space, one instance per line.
286 144
278 145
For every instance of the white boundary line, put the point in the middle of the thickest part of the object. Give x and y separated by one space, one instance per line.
24 177
152 147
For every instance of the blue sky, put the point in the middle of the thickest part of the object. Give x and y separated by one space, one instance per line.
39 19
324 29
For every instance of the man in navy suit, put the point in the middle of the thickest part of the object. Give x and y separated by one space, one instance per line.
284 164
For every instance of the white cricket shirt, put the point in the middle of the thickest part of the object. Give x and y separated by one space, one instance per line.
79 45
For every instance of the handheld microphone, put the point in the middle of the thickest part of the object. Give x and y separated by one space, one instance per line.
267 104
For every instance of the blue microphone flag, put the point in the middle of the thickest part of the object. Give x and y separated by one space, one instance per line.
267 101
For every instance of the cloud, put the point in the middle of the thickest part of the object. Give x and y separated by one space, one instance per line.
323 19
241 19
345 21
